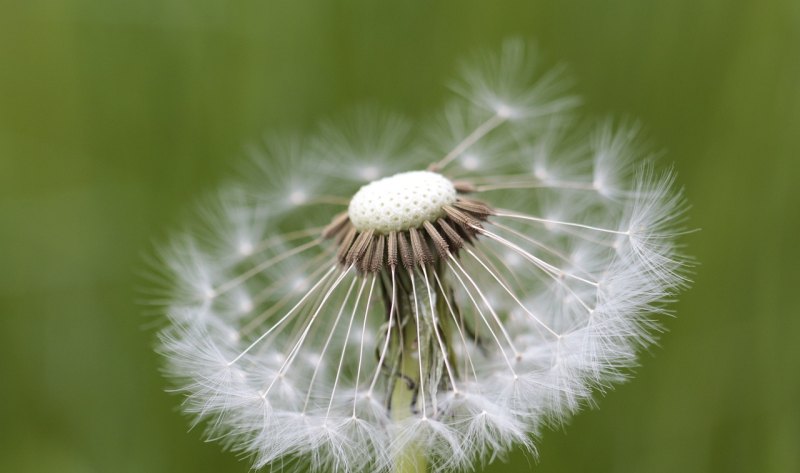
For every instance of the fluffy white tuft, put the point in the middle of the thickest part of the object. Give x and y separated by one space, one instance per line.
280 351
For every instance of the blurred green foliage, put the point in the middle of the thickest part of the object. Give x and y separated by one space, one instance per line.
116 115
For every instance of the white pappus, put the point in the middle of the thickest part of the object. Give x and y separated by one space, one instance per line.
387 297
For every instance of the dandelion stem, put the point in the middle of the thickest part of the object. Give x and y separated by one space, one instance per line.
406 390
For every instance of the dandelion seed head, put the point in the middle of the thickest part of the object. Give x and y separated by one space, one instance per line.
503 111
245 248
375 296
401 201
245 306
370 173
471 162
297 197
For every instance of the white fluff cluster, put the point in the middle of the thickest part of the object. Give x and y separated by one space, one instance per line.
280 350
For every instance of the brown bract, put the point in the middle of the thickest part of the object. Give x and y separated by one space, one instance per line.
370 251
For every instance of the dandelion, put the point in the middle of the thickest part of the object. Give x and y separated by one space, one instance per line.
375 299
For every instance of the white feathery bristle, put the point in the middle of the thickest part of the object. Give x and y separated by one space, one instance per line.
511 85
365 145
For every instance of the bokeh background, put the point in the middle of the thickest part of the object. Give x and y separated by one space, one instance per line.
116 115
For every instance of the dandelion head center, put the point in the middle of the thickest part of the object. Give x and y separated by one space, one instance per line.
411 218
402 201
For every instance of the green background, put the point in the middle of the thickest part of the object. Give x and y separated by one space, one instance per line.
116 115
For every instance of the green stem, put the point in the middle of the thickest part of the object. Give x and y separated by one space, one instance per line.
412 460
406 384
